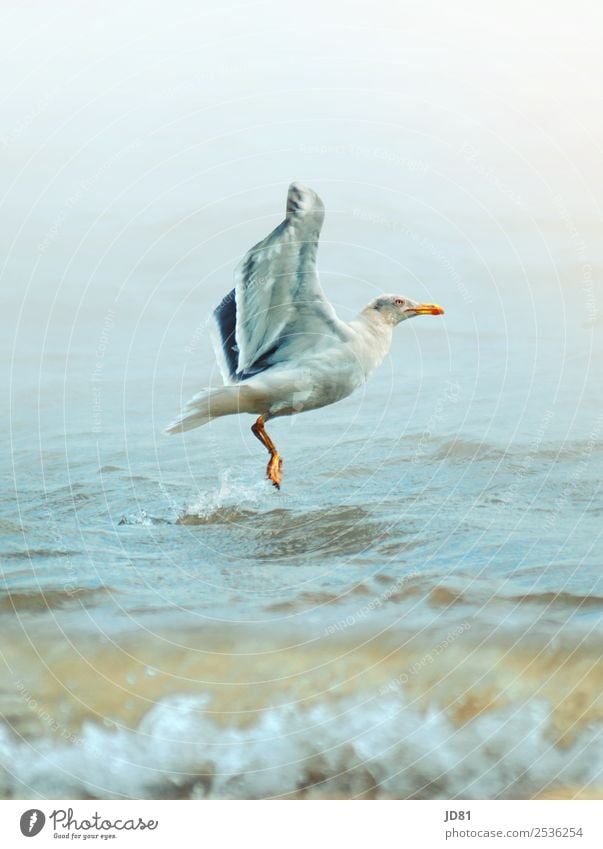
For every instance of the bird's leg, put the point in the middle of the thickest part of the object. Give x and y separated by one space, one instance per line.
274 469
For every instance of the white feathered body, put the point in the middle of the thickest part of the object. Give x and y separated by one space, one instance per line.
320 377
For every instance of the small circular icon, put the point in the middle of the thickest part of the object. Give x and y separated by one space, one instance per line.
32 822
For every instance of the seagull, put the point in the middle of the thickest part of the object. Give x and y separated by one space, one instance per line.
279 344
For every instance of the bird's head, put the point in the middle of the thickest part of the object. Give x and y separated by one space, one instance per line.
395 308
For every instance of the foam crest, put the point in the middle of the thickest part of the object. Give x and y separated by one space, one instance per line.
386 749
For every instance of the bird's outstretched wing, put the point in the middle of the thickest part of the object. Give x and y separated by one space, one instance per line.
277 308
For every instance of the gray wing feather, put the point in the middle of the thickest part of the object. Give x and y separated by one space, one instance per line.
279 300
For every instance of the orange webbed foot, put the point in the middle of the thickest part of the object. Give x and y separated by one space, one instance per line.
274 469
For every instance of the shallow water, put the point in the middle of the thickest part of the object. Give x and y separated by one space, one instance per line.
418 612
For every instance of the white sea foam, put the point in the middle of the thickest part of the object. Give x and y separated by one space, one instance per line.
345 748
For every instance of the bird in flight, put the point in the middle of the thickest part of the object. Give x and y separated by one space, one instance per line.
280 346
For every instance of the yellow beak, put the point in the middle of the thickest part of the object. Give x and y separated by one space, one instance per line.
429 309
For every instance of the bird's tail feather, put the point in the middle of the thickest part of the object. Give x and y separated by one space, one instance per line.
207 405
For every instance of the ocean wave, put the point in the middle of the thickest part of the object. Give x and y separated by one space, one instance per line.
35 553
218 516
558 598
386 749
453 713
463 449
338 530
483 594
141 517
277 532
53 599
8 527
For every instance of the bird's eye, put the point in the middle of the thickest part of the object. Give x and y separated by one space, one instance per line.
400 302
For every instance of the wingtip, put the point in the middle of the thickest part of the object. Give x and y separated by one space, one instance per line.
302 199
296 186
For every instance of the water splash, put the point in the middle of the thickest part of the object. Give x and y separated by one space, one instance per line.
232 500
